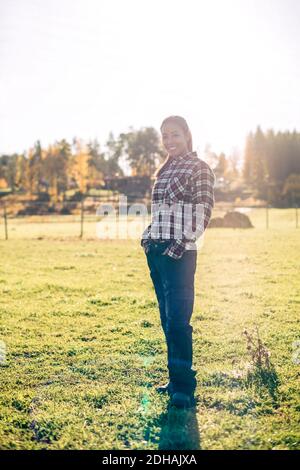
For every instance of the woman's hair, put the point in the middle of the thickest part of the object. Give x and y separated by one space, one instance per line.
181 122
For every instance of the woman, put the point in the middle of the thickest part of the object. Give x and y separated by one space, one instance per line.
182 201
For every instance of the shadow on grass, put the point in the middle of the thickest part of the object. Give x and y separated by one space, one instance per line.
178 429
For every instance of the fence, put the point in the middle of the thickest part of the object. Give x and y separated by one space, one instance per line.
33 219
80 220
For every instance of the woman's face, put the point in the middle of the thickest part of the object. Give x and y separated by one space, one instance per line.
174 139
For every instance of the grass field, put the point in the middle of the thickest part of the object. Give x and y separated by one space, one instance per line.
84 347
69 226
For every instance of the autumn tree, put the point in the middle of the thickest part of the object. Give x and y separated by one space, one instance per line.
56 163
82 161
34 168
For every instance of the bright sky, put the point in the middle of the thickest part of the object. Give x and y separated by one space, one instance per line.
85 67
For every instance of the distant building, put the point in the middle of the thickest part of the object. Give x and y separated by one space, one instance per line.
135 186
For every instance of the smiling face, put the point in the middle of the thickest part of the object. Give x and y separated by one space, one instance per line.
174 139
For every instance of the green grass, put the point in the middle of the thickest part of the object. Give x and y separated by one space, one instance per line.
85 348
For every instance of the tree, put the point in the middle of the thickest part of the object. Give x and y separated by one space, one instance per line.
233 159
21 163
8 170
34 168
291 189
113 154
56 164
269 160
255 169
248 156
81 163
143 150
222 165
259 163
210 157
63 155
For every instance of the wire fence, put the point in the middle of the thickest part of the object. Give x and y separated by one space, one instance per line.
83 219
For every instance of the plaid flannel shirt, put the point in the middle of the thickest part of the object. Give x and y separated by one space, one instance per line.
182 202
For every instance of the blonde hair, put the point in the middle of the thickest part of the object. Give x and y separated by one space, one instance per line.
181 122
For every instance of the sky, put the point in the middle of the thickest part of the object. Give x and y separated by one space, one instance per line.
87 67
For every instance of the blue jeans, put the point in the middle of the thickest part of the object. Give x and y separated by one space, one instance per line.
173 282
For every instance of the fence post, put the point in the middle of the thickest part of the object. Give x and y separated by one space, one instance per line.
81 218
267 216
5 222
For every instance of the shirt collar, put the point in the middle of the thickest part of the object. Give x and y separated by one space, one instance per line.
182 157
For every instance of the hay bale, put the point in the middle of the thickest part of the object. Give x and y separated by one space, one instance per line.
232 219
235 219
216 222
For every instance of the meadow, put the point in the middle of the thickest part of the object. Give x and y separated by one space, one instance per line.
82 347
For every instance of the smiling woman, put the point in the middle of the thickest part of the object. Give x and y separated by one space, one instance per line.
182 183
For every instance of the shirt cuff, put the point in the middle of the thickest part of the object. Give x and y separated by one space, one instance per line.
176 250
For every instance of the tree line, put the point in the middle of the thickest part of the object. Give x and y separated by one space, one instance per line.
271 164
80 165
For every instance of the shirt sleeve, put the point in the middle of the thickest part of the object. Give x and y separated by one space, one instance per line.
203 181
